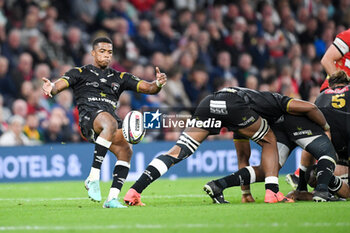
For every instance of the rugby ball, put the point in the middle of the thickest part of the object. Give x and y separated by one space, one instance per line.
133 130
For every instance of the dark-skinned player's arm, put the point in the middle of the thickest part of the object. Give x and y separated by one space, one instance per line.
300 107
155 86
243 154
51 89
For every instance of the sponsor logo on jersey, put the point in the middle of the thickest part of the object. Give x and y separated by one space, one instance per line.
94 84
218 107
303 132
94 72
103 80
115 86
246 122
337 90
98 99
136 78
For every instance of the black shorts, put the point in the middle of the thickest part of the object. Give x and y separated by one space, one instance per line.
293 128
228 108
86 121
292 131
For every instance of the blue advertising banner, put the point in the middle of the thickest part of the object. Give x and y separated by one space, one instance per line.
73 161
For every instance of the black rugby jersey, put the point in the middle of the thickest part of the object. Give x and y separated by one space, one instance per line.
334 103
96 88
268 105
337 98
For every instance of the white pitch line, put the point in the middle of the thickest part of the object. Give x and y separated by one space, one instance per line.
173 226
83 198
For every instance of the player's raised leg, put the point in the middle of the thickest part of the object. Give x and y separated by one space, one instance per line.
105 126
123 151
187 144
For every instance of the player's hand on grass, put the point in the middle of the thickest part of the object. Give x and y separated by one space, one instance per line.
47 87
160 78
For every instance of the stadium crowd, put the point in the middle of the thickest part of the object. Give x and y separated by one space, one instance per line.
202 46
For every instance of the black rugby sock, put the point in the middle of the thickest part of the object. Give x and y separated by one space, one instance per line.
101 148
241 177
120 173
302 184
335 184
155 169
325 170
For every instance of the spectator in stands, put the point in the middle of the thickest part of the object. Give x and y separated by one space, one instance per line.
32 131
14 136
275 39
40 70
12 48
175 92
205 52
53 132
309 35
145 39
289 32
252 82
125 10
200 17
36 105
34 48
26 88
287 85
143 5
23 72
216 38
7 87
105 18
19 107
307 81
166 38
232 14
260 52
244 69
55 48
223 70
74 46
235 45
85 11
196 84
184 18
64 100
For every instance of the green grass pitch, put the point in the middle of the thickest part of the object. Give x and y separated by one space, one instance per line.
172 206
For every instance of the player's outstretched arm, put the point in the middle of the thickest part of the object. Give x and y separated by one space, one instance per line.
300 107
155 86
51 89
329 58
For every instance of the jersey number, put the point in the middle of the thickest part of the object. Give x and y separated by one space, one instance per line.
338 101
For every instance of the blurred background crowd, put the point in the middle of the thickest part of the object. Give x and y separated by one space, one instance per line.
202 46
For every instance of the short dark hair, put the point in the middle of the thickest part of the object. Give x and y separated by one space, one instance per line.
101 39
339 77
